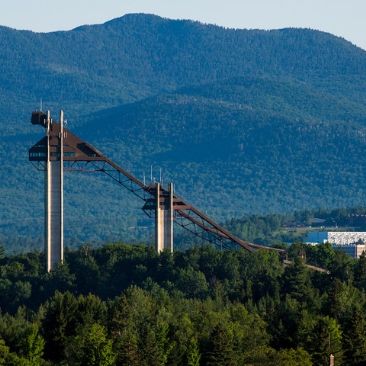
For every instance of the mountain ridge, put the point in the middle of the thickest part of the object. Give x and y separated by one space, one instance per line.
56 47
135 16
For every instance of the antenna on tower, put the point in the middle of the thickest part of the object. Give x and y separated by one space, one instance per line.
41 105
151 173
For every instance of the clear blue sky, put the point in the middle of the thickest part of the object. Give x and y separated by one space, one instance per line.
341 17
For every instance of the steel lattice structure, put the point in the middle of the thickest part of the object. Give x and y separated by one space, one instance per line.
79 155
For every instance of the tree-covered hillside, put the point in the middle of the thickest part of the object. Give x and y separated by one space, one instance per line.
126 305
244 146
275 229
250 121
140 55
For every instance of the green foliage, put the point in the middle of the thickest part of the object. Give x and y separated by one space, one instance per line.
360 272
8 358
90 346
291 357
297 283
355 338
193 283
155 347
63 314
23 339
242 308
220 347
326 340
193 353
4 353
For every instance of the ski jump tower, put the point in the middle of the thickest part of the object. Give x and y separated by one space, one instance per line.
59 149
49 150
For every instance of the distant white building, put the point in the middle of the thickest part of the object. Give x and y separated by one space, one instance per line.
349 242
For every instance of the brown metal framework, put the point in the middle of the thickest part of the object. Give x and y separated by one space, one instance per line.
81 156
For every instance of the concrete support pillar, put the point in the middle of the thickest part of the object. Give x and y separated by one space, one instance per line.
169 221
164 219
54 221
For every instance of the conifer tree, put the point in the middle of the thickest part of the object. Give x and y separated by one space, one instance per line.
220 350
355 338
193 353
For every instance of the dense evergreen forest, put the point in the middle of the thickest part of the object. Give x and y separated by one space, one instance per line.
126 305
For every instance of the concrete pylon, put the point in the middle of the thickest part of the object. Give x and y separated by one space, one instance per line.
54 180
164 219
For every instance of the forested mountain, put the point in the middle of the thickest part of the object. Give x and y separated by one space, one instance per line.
243 121
140 55
275 144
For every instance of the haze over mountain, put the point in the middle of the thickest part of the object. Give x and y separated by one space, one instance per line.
241 120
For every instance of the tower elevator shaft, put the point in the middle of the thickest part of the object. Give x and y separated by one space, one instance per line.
54 205
54 236
49 154
164 219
